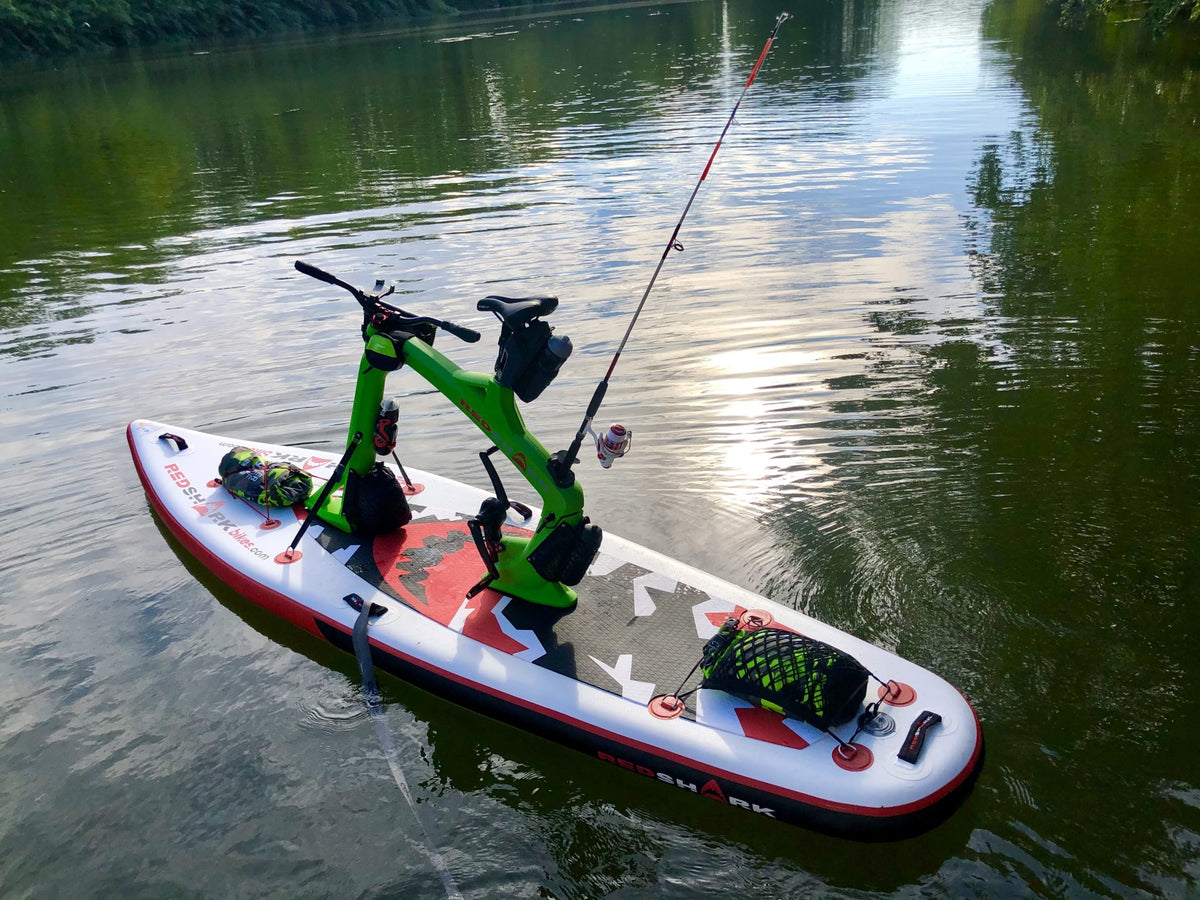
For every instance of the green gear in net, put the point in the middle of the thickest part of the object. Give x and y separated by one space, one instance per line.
789 673
245 474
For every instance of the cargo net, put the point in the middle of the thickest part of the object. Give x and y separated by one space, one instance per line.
788 673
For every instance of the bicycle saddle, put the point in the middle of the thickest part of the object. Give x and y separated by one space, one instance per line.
517 311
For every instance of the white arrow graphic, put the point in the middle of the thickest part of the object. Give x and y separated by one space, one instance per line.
642 604
622 674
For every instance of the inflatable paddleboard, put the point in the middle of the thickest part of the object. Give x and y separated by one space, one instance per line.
593 676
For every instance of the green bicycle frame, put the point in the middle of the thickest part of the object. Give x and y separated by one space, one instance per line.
492 408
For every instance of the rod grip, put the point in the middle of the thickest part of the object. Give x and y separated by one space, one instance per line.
594 405
566 458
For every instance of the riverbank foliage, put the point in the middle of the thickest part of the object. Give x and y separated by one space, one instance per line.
36 28
41 29
1157 13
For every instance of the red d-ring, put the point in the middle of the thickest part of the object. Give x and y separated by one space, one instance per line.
754 619
666 706
853 757
897 693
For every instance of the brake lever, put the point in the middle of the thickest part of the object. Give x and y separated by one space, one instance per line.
398 318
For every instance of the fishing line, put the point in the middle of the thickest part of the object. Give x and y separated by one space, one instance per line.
374 701
563 460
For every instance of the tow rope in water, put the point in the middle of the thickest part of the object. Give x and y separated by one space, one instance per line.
374 702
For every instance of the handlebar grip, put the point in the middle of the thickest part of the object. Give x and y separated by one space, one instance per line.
461 332
314 272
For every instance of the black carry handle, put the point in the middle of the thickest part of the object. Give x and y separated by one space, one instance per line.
910 752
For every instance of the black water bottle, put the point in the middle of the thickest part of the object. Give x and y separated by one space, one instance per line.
549 360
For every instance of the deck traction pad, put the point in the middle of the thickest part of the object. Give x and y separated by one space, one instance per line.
429 565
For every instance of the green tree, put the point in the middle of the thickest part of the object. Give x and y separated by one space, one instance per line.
35 28
1158 13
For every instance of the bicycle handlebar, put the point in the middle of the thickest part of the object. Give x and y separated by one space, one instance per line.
470 335
372 304
314 272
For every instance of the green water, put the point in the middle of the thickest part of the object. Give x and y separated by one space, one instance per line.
929 369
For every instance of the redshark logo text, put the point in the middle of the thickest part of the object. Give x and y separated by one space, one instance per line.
210 509
181 481
518 457
709 789
233 529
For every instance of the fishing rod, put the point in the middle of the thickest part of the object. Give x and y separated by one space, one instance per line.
616 442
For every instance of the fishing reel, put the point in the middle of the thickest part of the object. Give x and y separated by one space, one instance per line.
614 444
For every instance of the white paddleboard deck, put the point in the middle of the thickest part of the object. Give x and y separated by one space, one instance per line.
582 676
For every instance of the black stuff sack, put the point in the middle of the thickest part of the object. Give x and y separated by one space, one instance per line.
247 475
375 503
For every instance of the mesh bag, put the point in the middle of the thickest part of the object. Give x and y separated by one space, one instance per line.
247 475
791 674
